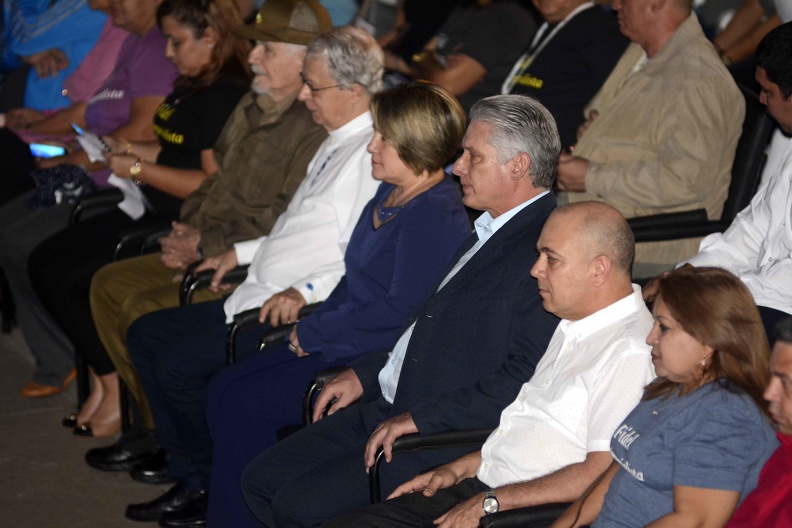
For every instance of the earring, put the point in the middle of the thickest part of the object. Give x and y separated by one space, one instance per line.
210 45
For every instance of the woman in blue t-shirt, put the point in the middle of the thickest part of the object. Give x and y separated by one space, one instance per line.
694 446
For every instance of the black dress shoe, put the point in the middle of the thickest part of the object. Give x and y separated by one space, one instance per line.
115 457
192 515
175 499
153 470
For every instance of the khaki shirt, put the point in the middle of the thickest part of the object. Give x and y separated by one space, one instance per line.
665 137
262 154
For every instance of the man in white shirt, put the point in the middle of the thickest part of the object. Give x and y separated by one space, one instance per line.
757 247
553 440
176 351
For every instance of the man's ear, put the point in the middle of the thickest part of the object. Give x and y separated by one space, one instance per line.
357 91
521 165
601 268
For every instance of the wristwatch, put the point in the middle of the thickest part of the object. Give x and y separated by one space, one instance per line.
490 504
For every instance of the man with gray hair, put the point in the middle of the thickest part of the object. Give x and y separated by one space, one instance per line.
465 351
175 351
554 439
662 131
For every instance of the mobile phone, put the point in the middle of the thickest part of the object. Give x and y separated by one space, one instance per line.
81 132
40 150
76 127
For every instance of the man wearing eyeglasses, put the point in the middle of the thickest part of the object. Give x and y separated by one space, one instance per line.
300 261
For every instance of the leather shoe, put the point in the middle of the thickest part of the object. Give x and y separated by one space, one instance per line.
192 515
115 458
175 499
153 470
37 390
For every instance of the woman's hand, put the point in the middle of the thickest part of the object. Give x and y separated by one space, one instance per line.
294 343
23 117
120 164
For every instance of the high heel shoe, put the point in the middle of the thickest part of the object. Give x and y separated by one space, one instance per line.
87 430
70 421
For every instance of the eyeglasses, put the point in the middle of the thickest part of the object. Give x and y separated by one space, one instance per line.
313 88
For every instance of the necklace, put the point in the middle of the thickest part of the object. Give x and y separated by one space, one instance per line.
384 213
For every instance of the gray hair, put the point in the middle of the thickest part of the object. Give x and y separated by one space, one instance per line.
783 331
521 124
352 56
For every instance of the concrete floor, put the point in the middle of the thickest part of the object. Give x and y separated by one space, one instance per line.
44 482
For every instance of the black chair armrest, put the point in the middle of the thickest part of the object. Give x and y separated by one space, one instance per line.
242 320
139 241
673 226
276 336
105 199
193 282
540 516
416 442
321 379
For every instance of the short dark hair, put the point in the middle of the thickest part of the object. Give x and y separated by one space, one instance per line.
774 56
783 331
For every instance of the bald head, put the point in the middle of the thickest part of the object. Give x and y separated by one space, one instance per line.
601 230
585 255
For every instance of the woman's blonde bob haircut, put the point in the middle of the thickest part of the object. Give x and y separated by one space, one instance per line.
716 309
422 121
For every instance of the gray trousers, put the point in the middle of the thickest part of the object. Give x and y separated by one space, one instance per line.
21 230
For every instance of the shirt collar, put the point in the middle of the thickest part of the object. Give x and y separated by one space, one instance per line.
621 309
486 226
686 31
359 124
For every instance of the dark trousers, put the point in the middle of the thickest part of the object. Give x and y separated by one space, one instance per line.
318 473
412 510
61 268
175 352
246 405
16 162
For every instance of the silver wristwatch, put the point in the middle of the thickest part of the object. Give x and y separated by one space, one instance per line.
490 504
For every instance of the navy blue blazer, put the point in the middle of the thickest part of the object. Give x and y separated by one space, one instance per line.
478 339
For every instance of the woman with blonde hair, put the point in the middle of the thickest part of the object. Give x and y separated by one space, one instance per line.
694 446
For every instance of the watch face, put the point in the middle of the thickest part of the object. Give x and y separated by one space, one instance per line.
490 505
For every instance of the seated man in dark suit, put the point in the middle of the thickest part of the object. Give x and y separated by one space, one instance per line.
465 351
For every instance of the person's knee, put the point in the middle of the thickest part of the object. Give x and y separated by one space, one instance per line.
255 490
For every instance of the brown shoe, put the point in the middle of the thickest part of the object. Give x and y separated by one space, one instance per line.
69 378
37 390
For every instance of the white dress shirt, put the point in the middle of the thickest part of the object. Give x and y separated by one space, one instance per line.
588 381
485 226
305 249
757 247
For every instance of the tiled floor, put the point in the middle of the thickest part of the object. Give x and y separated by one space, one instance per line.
44 482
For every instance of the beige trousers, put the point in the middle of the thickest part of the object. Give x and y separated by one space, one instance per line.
120 293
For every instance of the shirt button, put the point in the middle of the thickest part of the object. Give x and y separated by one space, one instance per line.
64 92
500 431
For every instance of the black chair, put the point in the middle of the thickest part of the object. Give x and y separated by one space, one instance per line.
273 336
192 282
749 160
404 444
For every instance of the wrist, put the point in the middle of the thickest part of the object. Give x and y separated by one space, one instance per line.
136 171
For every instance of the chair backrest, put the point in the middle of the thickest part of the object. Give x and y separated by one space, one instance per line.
749 158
